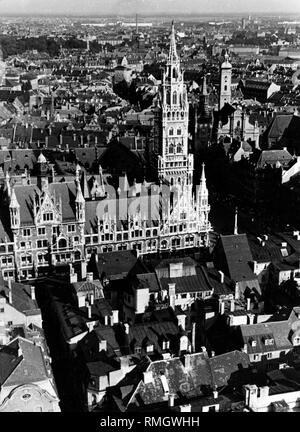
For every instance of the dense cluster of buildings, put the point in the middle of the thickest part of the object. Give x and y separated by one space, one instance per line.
149 229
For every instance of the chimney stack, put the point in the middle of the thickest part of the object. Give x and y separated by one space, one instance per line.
248 303
221 276
102 345
126 325
92 299
171 399
32 293
89 311
83 270
194 337
9 292
232 305
89 277
19 350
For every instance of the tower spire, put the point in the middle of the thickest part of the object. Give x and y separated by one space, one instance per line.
173 57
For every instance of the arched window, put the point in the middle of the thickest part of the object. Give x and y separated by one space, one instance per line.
62 243
171 149
179 148
174 98
225 87
171 131
168 98
179 131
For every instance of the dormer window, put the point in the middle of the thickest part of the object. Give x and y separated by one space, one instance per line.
253 343
166 345
150 348
138 350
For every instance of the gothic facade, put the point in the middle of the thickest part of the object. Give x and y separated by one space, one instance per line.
53 220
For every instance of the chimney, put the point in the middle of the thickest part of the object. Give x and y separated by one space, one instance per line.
115 314
9 292
194 337
92 299
90 277
148 377
248 303
124 364
215 394
221 307
185 408
89 312
251 319
221 276
181 321
232 305
171 400
213 354
83 270
187 361
126 325
236 291
102 345
19 351
32 292
73 275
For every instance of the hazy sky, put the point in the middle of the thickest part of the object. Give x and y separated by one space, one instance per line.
102 7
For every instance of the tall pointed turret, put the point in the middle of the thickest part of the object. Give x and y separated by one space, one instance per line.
79 203
173 57
205 110
202 199
14 210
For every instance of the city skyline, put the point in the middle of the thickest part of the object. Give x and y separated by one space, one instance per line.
150 7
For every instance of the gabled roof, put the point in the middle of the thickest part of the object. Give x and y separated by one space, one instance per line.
28 367
21 298
238 256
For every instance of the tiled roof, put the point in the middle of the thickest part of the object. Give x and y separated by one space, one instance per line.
119 264
189 383
270 157
238 257
27 368
21 298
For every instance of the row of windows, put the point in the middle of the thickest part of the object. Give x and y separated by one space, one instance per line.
171 131
202 294
119 236
27 232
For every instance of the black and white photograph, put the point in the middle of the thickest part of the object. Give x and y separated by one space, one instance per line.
149 210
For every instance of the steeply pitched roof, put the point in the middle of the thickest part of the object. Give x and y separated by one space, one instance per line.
21 298
28 367
238 256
